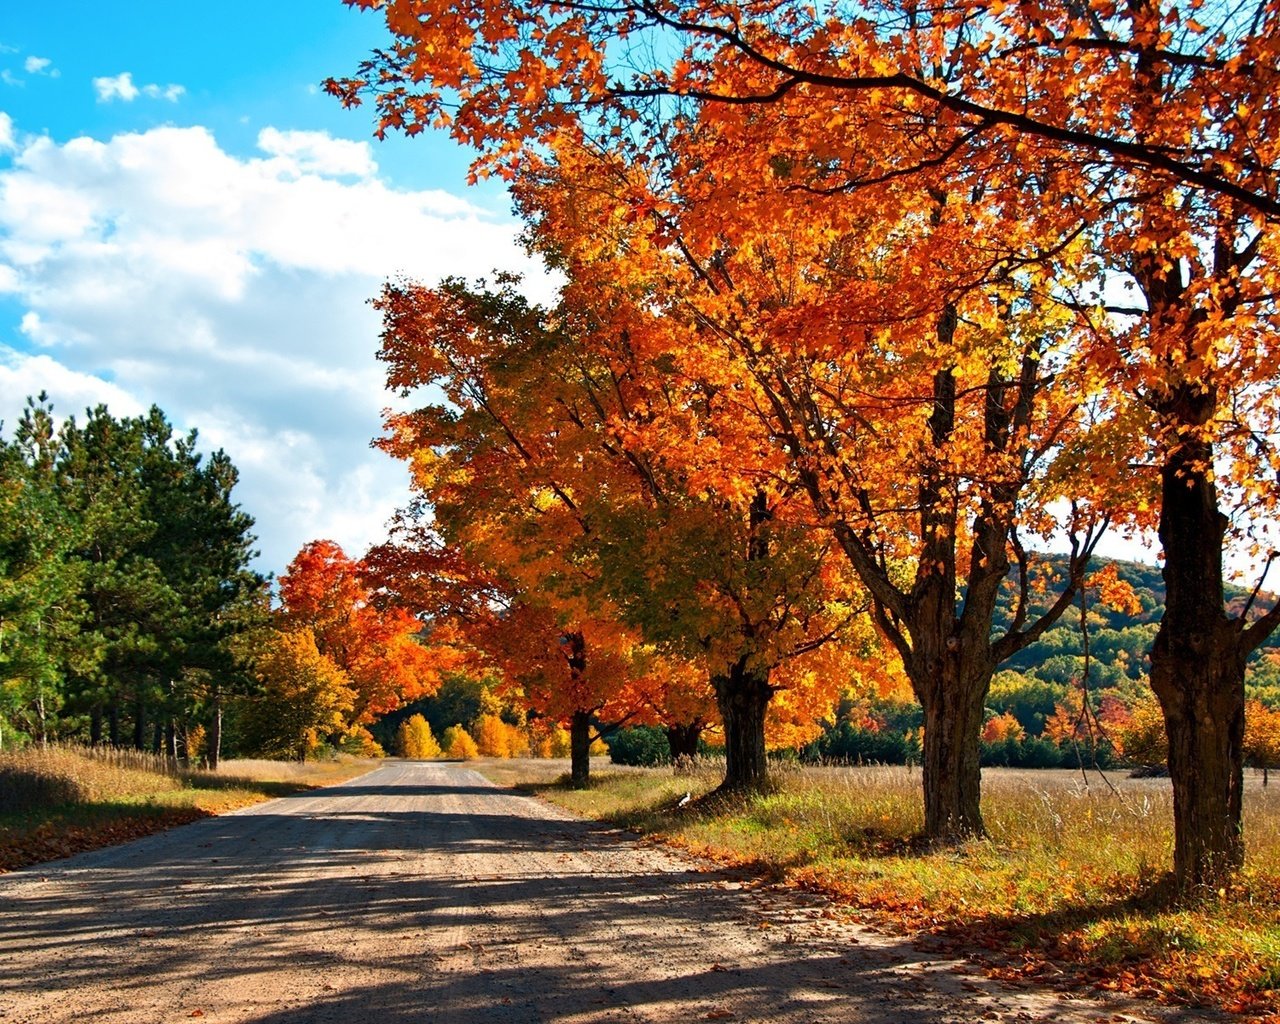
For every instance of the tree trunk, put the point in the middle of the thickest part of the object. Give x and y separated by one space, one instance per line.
743 697
683 740
95 726
214 751
139 725
580 749
952 777
1197 669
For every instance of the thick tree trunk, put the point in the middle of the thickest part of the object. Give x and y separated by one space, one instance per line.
580 749
952 777
113 724
1197 670
683 741
95 727
743 697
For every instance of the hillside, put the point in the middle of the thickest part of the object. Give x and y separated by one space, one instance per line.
1119 641
1036 699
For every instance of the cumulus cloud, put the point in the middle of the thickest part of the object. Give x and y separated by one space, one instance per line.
40 66
7 141
319 153
122 87
22 375
233 293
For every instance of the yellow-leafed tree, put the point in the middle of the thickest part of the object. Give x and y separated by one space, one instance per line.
458 744
304 696
415 741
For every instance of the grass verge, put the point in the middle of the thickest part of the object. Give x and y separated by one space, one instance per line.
65 800
1072 875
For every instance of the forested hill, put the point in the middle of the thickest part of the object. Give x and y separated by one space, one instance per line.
1119 640
1034 705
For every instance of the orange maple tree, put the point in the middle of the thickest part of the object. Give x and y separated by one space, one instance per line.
1150 125
563 446
376 646
894 372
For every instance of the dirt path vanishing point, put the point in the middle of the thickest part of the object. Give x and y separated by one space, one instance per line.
422 893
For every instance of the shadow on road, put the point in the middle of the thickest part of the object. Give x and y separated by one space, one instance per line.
404 898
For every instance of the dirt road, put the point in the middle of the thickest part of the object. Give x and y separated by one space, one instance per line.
422 893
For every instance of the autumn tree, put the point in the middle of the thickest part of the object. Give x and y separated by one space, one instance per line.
305 696
499 556
1007 77
919 421
414 739
375 644
458 744
1261 737
712 575
1153 123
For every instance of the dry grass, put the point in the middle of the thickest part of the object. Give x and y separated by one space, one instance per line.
1073 869
62 800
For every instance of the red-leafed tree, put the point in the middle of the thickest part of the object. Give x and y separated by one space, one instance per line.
376 644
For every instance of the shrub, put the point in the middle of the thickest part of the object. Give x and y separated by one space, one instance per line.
458 744
414 739
643 745
848 743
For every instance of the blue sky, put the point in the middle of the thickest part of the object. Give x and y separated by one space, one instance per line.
187 220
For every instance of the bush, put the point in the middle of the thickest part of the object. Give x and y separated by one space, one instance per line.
847 742
414 739
458 744
643 745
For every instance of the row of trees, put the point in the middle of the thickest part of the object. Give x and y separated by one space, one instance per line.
124 581
858 298
332 659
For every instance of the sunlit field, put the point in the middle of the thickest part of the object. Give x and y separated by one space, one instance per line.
62 800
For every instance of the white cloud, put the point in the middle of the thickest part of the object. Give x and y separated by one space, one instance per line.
72 392
122 87
232 293
319 152
165 92
115 87
7 141
40 66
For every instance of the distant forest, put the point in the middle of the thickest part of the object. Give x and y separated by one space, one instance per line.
1048 706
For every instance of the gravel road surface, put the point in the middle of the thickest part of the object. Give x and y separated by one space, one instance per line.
422 893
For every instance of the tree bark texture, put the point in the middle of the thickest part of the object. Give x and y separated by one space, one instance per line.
743 697
1197 673
580 748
